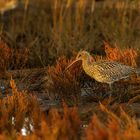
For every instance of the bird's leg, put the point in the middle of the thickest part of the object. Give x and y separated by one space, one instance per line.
111 90
110 86
137 74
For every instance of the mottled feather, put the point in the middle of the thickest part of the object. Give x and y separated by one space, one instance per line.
108 71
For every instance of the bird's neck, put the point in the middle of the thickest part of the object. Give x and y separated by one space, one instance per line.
87 61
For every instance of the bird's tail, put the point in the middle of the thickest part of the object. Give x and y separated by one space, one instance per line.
137 71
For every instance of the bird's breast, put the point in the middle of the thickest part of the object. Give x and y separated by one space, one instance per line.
97 74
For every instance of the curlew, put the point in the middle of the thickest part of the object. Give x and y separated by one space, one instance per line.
103 71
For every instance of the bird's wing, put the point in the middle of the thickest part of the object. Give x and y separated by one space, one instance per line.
113 70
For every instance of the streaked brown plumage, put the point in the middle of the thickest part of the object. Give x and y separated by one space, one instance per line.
103 71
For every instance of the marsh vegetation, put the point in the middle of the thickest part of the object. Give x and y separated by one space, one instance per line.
38 40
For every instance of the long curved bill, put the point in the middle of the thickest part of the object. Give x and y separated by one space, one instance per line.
71 65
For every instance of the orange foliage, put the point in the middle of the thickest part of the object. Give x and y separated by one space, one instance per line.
123 128
57 126
12 58
22 109
14 110
5 55
127 56
20 58
65 85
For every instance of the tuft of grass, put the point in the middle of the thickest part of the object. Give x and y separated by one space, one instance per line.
61 82
115 127
5 55
17 111
12 58
128 56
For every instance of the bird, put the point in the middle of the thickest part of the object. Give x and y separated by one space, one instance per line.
103 71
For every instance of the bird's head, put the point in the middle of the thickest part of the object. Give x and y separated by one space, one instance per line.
83 56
